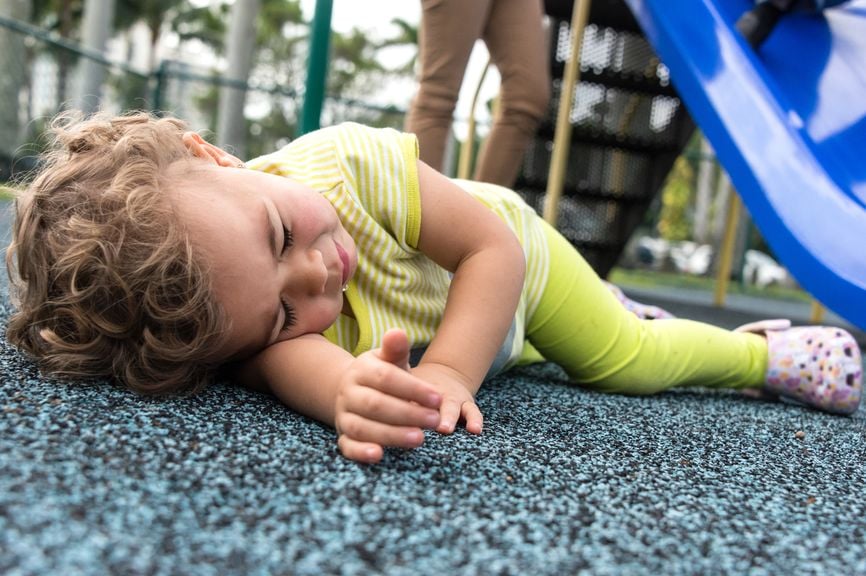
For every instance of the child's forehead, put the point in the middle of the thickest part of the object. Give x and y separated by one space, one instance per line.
192 176
208 193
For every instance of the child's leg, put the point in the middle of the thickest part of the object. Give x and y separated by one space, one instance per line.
580 325
644 311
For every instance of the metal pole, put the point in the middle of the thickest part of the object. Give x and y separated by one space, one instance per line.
726 253
317 67
158 87
816 312
562 137
96 29
464 167
231 125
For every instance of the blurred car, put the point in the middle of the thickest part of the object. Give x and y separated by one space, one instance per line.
762 270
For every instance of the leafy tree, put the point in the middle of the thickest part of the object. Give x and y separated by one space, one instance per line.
281 60
281 32
353 64
64 18
407 35
207 24
279 66
676 198
183 18
357 72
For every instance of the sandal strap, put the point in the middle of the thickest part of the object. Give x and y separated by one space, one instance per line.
764 326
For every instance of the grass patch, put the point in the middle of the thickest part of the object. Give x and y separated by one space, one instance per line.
655 279
6 192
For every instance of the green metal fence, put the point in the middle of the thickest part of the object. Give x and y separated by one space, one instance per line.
41 75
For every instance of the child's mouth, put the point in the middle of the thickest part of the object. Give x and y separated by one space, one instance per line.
344 260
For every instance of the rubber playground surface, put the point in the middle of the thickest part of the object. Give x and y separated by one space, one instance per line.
96 480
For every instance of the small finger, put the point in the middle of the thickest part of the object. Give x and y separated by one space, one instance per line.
369 431
449 413
398 383
380 407
473 417
366 452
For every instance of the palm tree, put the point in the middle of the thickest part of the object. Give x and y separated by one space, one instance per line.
206 24
407 36
187 20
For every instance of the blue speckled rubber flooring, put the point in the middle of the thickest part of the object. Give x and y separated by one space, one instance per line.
95 480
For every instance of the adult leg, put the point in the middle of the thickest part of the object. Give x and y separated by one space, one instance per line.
580 325
449 29
518 47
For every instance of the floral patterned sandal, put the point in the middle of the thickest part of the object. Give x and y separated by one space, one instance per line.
818 366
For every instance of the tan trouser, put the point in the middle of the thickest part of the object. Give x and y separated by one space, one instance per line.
514 35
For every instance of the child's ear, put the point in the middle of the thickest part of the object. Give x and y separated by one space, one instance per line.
204 150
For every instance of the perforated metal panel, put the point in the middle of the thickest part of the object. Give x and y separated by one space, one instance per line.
628 125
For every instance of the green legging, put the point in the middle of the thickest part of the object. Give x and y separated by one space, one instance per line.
582 327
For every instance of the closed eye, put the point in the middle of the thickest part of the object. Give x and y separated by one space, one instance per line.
288 240
288 315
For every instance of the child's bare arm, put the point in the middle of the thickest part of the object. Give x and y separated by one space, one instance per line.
372 401
465 237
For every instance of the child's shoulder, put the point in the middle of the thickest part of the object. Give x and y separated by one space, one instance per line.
355 135
349 151
346 138
361 145
317 146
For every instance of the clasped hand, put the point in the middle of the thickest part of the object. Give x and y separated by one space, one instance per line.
381 402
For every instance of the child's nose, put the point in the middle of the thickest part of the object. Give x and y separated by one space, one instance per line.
308 273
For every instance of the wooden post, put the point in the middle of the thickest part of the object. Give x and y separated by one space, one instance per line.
464 166
562 136
726 254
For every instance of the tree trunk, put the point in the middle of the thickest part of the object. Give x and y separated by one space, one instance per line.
96 27
704 193
63 57
231 126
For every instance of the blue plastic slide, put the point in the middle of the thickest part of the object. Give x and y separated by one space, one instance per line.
788 122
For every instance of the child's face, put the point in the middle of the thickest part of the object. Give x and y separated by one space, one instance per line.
278 253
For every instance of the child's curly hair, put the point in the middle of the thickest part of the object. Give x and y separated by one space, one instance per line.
104 277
